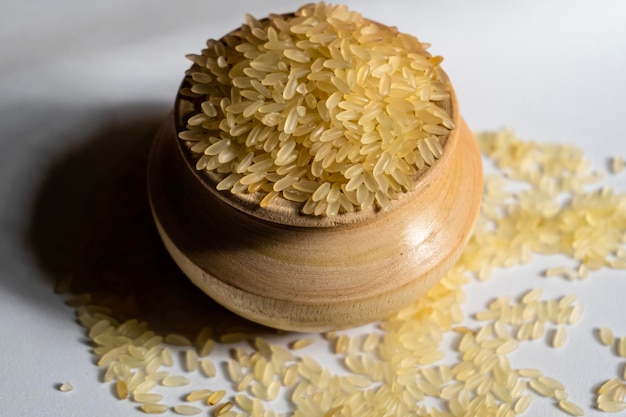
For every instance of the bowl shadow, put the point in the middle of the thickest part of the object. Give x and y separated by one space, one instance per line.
92 230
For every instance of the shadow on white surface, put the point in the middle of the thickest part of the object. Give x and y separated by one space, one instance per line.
91 221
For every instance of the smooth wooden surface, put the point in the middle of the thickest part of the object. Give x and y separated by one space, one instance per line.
316 278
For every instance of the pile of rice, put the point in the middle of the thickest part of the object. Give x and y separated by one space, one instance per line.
164 349
322 108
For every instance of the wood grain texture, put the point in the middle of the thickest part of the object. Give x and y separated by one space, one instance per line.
316 278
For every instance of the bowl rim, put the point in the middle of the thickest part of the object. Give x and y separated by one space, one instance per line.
288 212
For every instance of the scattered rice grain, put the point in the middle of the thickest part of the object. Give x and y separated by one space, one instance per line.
559 337
216 397
154 408
147 397
177 340
611 406
571 408
522 404
186 410
121 390
175 381
223 409
301 343
65 387
606 336
208 368
198 395
231 338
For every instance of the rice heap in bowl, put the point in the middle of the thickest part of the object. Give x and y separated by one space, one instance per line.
323 109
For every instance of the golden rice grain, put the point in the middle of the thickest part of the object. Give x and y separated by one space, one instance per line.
606 336
216 397
551 383
617 164
235 370
223 409
612 406
244 383
175 381
244 402
571 408
152 365
341 344
191 360
609 386
522 404
620 393
538 330
532 296
121 390
575 314
154 408
560 394
621 347
198 395
290 376
100 327
540 388
258 390
65 387
557 271
144 386
206 348
157 376
111 356
147 398
559 337
186 410
507 347
177 340
208 368
566 301
230 338
301 343
166 357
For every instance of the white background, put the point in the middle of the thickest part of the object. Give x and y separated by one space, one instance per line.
552 70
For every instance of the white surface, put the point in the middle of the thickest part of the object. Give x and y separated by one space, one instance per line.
553 70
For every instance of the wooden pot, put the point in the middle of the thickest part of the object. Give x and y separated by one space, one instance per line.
303 273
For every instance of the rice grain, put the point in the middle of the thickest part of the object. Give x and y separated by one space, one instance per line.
571 408
216 397
606 336
154 408
66 387
175 381
301 343
147 398
187 410
559 337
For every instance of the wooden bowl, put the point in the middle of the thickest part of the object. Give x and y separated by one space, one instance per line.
270 268
283 269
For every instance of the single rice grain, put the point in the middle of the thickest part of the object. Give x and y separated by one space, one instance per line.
187 410
154 408
571 408
606 336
